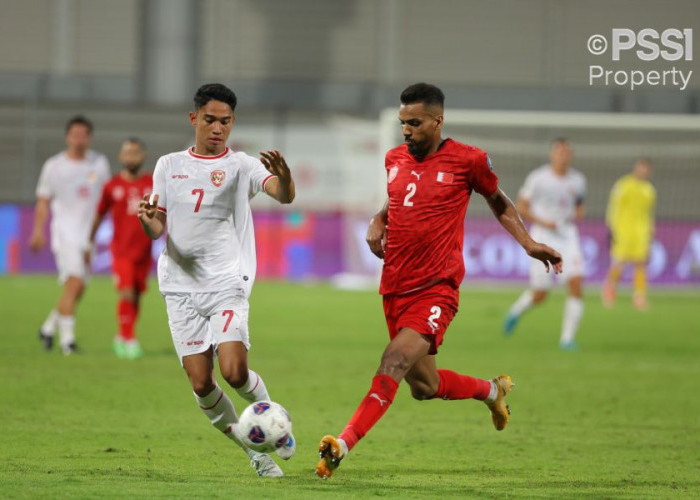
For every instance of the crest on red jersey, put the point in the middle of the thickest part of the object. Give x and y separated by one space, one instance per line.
118 193
393 172
217 177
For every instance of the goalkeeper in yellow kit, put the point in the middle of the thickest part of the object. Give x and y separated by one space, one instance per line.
630 218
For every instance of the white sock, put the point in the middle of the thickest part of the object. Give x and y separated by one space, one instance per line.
343 446
523 303
220 411
66 329
254 390
50 324
573 310
493 393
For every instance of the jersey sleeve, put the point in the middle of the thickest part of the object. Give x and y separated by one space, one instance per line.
159 188
481 176
45 188
259 176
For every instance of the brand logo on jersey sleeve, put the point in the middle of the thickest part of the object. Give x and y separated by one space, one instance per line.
393 172
217 177
445 178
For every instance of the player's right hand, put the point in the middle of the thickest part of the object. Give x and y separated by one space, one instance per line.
146 210
376 236
37 241
547 255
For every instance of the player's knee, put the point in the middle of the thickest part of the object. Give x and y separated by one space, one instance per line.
539 296
235 374
202 386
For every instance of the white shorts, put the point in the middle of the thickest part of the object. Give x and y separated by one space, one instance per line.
199 320
572 257
70 262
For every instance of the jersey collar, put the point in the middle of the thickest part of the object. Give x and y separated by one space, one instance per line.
202 157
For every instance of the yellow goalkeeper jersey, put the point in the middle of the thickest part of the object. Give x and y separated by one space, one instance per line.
631 206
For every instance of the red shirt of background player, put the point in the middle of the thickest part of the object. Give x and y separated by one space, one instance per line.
122 197
428 201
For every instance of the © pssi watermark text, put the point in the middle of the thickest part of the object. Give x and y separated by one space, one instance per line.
670 46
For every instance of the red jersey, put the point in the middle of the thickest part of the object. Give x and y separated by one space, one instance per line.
122 198
428 201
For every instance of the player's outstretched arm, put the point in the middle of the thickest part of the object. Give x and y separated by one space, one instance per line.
376 232
281 188
152 221
37 241
507 215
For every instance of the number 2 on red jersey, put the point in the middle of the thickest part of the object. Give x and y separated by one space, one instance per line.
411 188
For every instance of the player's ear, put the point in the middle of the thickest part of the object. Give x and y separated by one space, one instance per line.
193 118
439 119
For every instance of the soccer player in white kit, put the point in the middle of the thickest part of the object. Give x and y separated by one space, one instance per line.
552 199
207 269
70 184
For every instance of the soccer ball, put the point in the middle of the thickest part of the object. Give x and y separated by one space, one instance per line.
264 426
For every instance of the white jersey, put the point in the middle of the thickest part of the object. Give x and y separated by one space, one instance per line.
554 198
211 243
74 188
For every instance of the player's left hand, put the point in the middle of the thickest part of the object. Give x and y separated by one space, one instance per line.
376 236
276 164
547 255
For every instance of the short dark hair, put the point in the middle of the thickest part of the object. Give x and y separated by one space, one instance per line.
560 140
214 92
136 140
79 120
426 93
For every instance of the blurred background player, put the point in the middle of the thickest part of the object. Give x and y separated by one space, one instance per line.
630 219
70 183
207 269
420 233
552 199
131 248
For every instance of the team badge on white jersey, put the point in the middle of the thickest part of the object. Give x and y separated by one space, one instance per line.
217 177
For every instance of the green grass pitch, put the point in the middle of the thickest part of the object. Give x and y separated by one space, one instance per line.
617 419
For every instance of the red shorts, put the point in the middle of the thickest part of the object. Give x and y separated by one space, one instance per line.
428 311
130 275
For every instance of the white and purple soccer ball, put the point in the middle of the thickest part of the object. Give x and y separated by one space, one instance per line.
264 426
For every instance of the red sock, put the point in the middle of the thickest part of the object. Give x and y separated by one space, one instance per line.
371 409
126 315
456 386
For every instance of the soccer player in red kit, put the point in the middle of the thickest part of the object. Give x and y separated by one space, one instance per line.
419 233
131 248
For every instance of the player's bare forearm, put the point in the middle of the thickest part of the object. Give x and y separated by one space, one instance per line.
580 211
508 216
281 190
376 232
94 228
154 227
41 212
